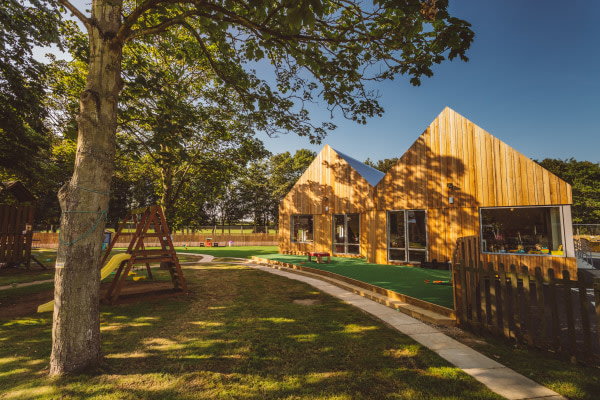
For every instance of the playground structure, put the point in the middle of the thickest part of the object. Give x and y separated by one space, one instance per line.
149 222
16 226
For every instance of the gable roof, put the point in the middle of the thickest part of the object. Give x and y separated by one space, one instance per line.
371 175
455 158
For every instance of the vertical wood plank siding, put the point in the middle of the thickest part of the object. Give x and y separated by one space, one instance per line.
484 172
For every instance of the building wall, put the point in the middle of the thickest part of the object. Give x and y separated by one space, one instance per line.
451 170
329 186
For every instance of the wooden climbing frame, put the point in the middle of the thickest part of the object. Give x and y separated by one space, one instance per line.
149 222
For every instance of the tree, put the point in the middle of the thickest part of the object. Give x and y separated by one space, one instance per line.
584 178
318 49
383 165
175 113
24 140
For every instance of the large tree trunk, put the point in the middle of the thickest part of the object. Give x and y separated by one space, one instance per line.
84 201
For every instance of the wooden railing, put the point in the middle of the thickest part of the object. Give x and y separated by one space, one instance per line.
560 315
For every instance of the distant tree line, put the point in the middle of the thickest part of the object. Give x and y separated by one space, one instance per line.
584 178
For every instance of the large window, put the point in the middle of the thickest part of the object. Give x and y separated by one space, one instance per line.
407 236
346 233
302 228
522 230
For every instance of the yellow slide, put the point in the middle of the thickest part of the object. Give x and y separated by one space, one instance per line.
113 263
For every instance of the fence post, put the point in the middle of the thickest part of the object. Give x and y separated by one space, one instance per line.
504 301
554 311
514 280
585 316
463 290
569 306
529 325
482 294
493 303
541 306
597 302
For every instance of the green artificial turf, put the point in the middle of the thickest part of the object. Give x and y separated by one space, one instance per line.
406 280
233 252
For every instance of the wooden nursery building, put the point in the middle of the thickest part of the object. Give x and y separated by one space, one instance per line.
455 181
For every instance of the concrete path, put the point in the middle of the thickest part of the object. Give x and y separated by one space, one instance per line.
17 285
495 376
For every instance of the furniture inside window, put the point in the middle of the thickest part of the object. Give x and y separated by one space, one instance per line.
522 230
346 233
302 228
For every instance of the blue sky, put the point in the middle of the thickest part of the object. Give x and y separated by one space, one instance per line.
533 81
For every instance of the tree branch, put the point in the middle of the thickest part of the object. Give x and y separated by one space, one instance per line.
85 20
127 34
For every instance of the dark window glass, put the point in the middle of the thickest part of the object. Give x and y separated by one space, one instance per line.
353 249
521 230
353 225
417 238
416 255
346 233
397 232
397 255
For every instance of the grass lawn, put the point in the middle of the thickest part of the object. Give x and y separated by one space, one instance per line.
398 278
239 335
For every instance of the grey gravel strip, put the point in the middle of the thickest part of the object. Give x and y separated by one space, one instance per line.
500 379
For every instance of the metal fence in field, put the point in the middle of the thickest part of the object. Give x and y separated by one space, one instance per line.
586 229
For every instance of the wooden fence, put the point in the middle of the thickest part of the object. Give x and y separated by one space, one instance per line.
15 233
50 240
560 315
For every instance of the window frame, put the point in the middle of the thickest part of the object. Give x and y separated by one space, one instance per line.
407 249
293 230
563 231
345 244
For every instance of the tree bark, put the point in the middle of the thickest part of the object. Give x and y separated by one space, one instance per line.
84 202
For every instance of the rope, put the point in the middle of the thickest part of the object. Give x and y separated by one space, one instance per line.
92 229
90 190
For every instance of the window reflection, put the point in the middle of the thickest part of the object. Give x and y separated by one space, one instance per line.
522 230
302 228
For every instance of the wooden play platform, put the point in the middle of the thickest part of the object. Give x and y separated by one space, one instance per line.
149 222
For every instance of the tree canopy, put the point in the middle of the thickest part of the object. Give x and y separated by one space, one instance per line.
318 52
23 135
584 178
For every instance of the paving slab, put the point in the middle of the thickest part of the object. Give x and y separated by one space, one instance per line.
510 384
491 373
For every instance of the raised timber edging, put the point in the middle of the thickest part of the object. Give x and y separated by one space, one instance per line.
430 307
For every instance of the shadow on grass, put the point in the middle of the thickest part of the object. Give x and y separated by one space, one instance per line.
238 335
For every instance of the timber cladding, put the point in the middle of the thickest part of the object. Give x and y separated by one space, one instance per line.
452 170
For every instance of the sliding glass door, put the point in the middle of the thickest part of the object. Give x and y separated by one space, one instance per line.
407 235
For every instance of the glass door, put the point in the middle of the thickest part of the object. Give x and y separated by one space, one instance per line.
407 235
346 233
417 235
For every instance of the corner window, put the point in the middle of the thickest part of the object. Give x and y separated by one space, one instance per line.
302 228
346 233
522 230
